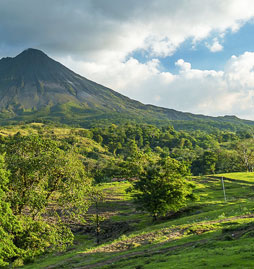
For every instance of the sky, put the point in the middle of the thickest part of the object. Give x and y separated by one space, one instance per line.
190 55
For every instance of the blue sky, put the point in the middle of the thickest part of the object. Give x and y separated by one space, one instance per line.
195 55
234 43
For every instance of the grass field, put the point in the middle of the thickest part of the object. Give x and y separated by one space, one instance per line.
209 233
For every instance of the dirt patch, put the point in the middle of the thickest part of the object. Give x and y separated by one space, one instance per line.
145 253
191 210
162 235
111 230
108 230
143 239
135 255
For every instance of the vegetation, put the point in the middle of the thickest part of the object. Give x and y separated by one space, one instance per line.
161 188
9 224
204 234
41 186
55 181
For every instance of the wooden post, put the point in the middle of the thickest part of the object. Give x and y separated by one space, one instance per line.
97 223
223 187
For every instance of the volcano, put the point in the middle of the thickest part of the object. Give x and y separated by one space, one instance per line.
34 87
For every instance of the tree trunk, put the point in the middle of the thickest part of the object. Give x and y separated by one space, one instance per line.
97 224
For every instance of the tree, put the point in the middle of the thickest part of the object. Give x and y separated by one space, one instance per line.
161 188
245 151
228 161
205 164
41 173
96 198
209 162
44 185
8 222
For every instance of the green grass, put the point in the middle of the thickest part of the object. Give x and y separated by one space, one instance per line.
209 233
248 177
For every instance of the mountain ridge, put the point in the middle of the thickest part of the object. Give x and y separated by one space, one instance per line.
33 86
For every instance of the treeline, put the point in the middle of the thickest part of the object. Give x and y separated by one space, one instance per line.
205 153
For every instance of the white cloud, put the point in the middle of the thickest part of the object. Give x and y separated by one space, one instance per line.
184 66
215 47
240 72
159 47
209 92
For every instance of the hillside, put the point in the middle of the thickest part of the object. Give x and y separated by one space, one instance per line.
34 87
204 234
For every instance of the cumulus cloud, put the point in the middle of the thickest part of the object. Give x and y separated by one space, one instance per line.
215 46
240 72
184 66
210 92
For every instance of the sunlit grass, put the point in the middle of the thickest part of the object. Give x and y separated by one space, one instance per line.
208 233
245 176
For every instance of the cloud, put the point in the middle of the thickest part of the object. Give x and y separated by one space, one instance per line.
240 72
210 92
215 47
96 30
184 66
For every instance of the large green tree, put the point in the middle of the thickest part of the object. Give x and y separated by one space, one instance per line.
42 173
162 187
43 188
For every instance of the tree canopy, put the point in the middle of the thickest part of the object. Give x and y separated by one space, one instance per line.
40 186
162 187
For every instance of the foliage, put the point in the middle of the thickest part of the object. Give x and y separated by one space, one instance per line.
43 186
245 150
42 173
8 222
199 233
161 188
37 237
48 167
97 198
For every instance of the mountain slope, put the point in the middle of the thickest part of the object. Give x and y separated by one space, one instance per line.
35 87
32 80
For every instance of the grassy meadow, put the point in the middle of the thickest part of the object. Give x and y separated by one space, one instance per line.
208 233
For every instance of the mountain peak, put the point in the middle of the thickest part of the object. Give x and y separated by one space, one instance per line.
31 52
31 65
32 55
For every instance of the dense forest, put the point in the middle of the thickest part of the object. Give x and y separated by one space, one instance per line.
50 173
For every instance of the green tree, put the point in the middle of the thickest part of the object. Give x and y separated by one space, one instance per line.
46 185
41 173
161 187
205 163
8 222
209 162
97 198
245 151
